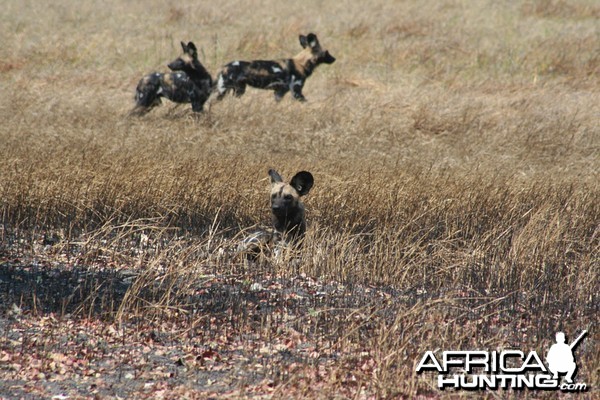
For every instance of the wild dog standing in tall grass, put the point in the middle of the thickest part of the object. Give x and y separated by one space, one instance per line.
189 83
281 76
287 214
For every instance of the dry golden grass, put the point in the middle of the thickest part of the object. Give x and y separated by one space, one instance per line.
455 147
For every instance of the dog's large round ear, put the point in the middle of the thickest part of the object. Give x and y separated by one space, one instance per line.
184 47
312 40
191 49
303 41
275 177
303 181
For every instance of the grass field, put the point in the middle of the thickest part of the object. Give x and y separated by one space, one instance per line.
456 152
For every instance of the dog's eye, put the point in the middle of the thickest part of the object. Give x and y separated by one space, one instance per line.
288 197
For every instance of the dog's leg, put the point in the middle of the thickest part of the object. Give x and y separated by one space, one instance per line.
280 92
296 86
239 89
297 91
197 102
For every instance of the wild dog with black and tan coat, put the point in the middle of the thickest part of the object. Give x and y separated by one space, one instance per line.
287 211
287 214
280 76
189 83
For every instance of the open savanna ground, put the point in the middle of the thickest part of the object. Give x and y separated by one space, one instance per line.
455 147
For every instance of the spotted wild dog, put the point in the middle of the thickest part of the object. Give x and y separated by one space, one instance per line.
280 76
188 83
287 214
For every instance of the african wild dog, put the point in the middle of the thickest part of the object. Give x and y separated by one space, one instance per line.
287 214
286 208
280 76
189 83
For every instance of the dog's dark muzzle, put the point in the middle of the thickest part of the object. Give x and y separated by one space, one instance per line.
329 59
176 65
280 210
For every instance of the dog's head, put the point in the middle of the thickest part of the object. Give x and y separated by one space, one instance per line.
285 197
188 60
318 54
